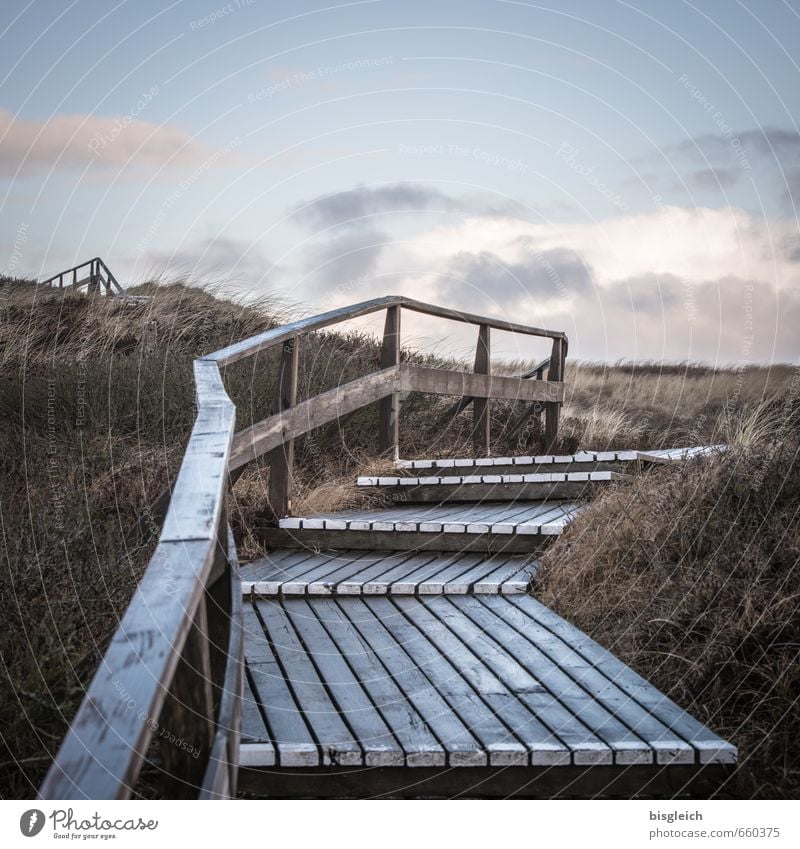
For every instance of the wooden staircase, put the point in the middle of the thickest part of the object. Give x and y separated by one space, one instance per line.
399 652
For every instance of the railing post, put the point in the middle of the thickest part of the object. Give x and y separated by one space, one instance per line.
389 408
553 408
186 724
281 459
480 406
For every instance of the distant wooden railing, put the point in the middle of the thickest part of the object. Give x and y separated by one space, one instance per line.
174 668
95 275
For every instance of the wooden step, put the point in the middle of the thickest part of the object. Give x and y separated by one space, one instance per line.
488 527
541 486
304 572
674 455
582 461
449 683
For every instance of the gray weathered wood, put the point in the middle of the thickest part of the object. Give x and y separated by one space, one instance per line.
293 743
451 731
420 746
481 426
553 407
281 458
338 743
443 382
344 688
389 407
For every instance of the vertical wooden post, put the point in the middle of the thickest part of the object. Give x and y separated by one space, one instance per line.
480 406
281 459
553 408
389 408
186 725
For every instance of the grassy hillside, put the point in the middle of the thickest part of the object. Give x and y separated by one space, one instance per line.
95 408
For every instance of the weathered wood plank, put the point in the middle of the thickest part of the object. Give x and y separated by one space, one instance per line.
345 689
455 737
667 745
443 382
252 442
709 746
409 727
467 690
281 458
292 740
389 407
480 409
337 742
519 723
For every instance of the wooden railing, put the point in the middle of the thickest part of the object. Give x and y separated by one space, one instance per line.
94 274
174 669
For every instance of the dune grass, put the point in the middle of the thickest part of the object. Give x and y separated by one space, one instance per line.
96 403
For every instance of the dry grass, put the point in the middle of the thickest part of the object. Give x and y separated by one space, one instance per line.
691 574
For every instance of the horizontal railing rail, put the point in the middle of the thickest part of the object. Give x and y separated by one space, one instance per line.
174 669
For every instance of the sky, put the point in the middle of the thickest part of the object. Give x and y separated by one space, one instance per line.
628 172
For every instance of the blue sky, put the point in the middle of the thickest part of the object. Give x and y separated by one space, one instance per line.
628 171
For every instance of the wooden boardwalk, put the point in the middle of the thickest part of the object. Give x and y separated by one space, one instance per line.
405 670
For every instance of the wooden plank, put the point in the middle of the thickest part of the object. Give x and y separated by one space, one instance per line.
382 584
252 442
337 742
344 688
514 572
389 408
496 744
455 737
668 746
290 735
414 581
450 570
281 458
709 746
350 567
510 732
443 382
254 729
312 570
593 735
471 318
480 409
473 617
269 576
404 542
421 747
382 563
275 336
482 492
552 411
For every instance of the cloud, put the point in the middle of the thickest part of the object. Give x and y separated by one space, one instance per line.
354 206
221 259
712 179
74 141
344 264
473 279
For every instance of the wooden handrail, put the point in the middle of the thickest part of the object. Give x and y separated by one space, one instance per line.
174 666
270 338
